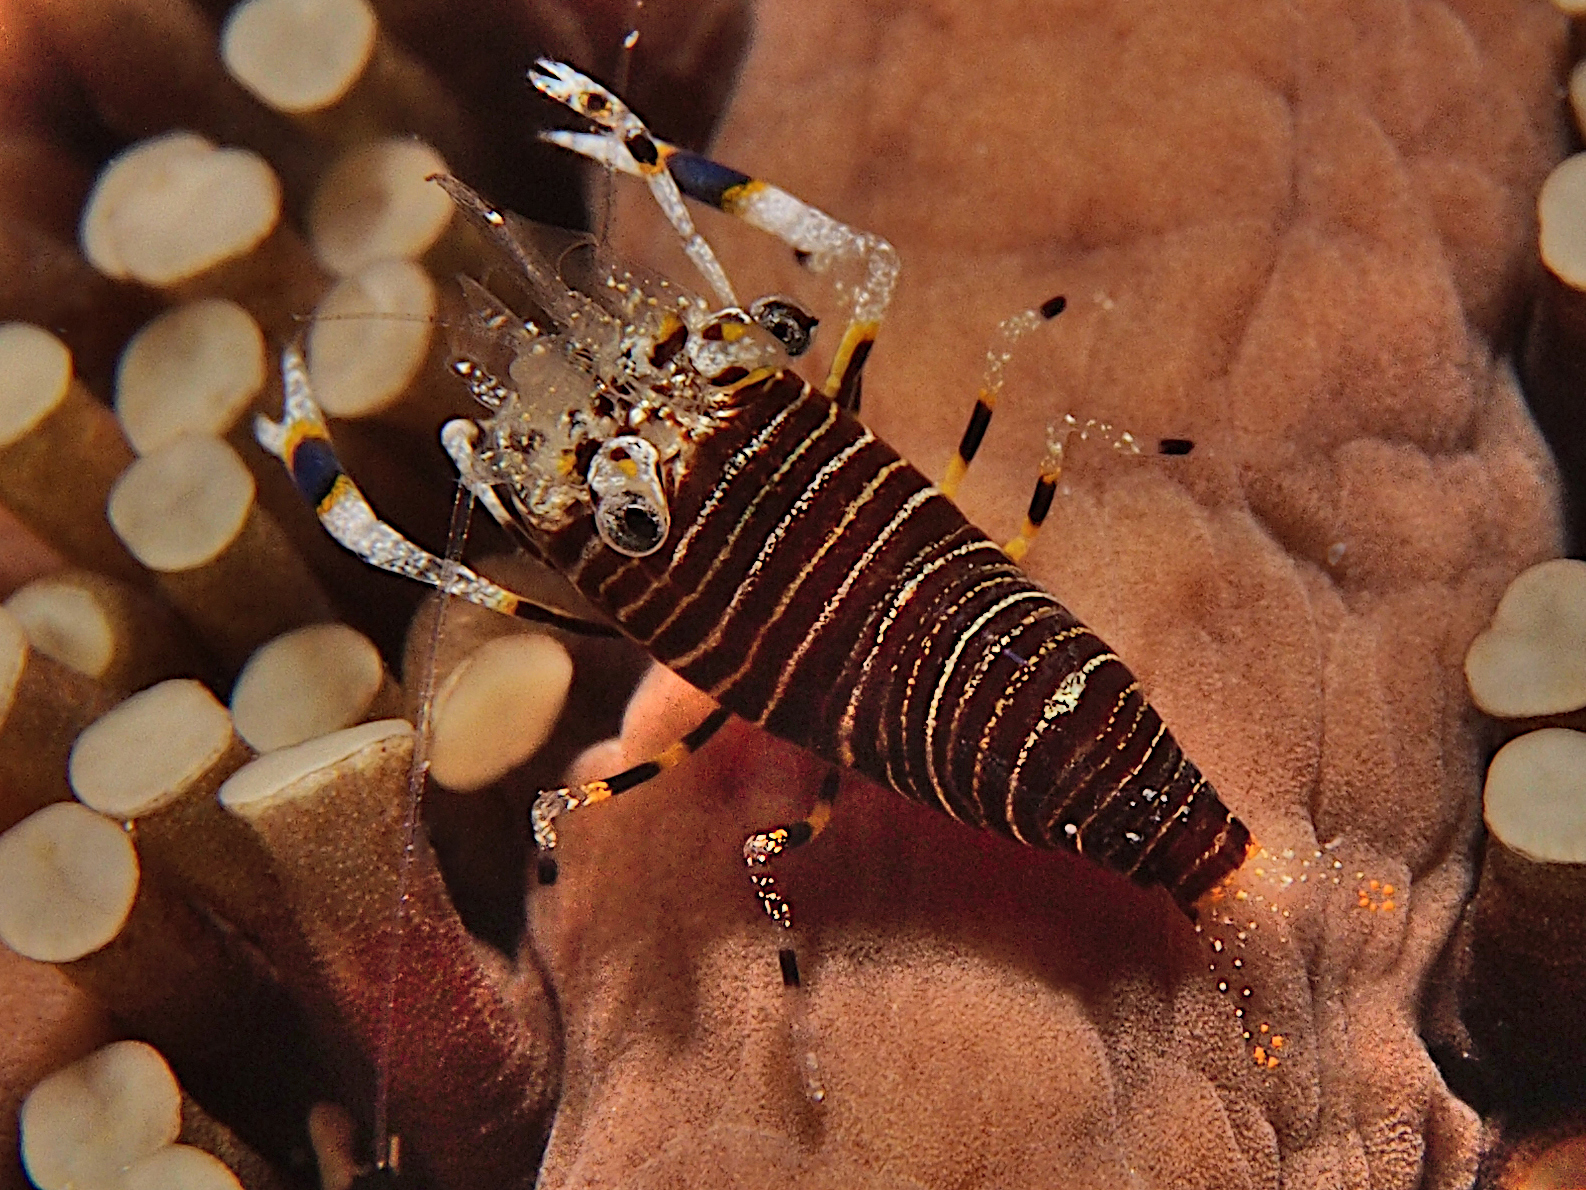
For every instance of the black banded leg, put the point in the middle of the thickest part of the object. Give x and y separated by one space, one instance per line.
551 804
1052 470
758 850
761 848
801 1031
1009 332
301 440
820 242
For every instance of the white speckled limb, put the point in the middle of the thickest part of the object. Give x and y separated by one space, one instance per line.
589 99
821 240
349 518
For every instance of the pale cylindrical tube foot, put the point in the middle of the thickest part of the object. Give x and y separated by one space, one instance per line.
375 203
86 1123
196 220
358 83
70 878
332 813
195 369
60 451
1529 665
157 761
1553 364
373 351
109 631
43 707
310 682
113 1119
1527 952
496 708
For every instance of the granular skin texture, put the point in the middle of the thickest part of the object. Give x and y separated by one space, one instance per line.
1299 236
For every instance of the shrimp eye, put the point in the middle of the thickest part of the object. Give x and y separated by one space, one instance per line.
630 524
631 514
789 324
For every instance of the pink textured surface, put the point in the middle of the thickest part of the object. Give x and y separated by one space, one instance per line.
1293 235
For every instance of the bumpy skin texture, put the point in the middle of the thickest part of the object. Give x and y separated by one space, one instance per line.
1293 234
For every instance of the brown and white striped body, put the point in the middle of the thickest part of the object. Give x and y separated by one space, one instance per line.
817 584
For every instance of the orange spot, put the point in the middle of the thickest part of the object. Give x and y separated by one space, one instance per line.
1364 901
1387 906
1265 1028
1373 885
1277 1041
1387 890
1261 1056
1271 1062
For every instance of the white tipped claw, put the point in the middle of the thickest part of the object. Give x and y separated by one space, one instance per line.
549 805
553 78
271 435
584 95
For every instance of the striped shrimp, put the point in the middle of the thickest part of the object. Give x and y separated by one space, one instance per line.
748 530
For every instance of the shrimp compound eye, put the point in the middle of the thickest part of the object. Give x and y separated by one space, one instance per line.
631 513
790 324
631 525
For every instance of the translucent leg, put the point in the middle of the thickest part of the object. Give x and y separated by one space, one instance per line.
1009 332
551 804
1052 470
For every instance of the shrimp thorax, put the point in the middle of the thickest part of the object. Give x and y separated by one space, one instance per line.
653 361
